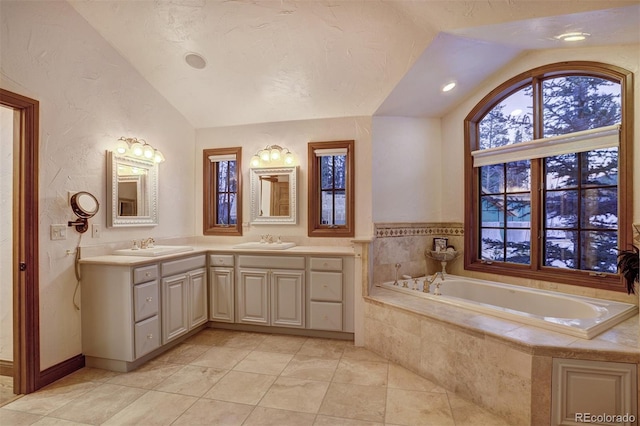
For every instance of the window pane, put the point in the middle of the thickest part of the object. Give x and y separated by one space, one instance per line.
519 176
561 171
600 167
560 249
341 209
327 208
561 209
519 211
492 244
574 103
600 208
340 171
600 251
223 176
326 172
509 122
223 209
492 211
233 182
518 246
492 179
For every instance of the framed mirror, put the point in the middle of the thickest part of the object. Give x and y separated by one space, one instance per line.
132 189
273 195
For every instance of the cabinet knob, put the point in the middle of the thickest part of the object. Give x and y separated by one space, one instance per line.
147 274
149 336
149 299
326 264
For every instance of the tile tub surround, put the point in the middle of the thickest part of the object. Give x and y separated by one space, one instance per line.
405 243
221 377
501 365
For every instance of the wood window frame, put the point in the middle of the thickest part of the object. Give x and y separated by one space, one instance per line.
315 227
209 204
536 270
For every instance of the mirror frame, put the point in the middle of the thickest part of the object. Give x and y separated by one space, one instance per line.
255 217
115 221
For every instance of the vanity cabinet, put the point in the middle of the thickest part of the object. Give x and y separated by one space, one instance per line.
221 288
271 290
184 296
326 293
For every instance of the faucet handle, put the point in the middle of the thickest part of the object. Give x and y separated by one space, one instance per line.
150 242
134 245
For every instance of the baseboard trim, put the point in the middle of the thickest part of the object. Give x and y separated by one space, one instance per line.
6 368
60 370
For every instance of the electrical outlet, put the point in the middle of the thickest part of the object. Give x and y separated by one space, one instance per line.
96 231
58 232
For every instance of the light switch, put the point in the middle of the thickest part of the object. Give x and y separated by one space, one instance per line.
58 232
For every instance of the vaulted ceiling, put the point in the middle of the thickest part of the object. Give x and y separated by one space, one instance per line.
279 60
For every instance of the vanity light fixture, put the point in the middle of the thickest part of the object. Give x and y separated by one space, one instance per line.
272 155
138 148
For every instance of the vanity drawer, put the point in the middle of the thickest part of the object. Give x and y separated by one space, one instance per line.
221 260
325 264
147 336
183 265
145 300
325 316
271 262
326 286
145 273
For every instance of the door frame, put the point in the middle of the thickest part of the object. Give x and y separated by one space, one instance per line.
26 296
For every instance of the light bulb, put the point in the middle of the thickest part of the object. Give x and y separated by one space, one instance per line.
137 149
265 155
288 158
122 147
158 157
275 154
255 161
148 152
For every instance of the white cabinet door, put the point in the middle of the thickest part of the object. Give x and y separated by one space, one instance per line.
221 295
287 298
197 298
253 297
175 295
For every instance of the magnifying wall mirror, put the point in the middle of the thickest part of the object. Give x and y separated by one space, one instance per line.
132 187
273 195
85 206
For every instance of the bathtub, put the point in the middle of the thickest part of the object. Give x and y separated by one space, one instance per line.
578 316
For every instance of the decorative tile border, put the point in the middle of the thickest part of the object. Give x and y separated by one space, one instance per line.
386 230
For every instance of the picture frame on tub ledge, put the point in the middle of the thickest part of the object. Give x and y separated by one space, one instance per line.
440 244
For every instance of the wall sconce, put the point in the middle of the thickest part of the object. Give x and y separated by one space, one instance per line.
272 155
138 148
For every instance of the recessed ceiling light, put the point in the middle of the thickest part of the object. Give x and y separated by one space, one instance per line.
449 86
574 36
195 60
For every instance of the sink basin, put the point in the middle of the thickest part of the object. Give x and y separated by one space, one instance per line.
264 246
153 251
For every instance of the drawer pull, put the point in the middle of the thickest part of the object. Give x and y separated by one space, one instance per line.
149 299
149 336
147 274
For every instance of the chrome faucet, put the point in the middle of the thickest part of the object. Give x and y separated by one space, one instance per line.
431 279
147 243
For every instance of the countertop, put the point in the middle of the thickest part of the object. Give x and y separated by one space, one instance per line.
119 260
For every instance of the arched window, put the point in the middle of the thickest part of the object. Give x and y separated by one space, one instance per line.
548 175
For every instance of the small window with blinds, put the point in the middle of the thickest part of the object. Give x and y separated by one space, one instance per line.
222 198
331 204
549 176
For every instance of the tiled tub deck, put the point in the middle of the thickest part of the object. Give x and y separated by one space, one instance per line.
499 364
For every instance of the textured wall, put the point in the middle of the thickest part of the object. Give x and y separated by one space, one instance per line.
6 223
89 96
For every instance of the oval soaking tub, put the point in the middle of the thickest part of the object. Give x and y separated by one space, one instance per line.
577 316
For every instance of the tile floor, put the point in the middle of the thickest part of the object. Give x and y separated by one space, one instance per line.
221 377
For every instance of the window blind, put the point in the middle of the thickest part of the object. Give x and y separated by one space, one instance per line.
225 157
327 152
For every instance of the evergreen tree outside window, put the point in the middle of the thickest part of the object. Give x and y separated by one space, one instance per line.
222 198
547 179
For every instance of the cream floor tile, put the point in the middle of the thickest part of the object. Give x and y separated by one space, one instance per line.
467 413
88 374
264 363
401 378
194 380
147 376
335 421
365 373
52 397
183 353
241 387
52 421
281 343
293 394
311 368
405 407
221 357
323 348
99 404
262 416
240 339
209 337
361 354
153 408
354 402
212 412
17 418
